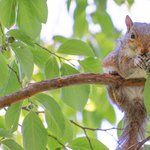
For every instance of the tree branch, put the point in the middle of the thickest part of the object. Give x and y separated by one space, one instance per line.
65 81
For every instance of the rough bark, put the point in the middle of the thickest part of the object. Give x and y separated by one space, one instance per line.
65 81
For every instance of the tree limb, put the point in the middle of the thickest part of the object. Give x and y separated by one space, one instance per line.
65 81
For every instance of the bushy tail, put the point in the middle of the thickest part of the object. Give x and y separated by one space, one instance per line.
134 128
130 136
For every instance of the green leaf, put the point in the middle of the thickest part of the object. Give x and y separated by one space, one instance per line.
12 116
51 69
40 57
53 144
16 33
68 4
4 68
2 123
120 125
74 96
119 2
75 47
4 148
81 24
11 144
60 39
104 20
109 114
33 132
12 84
82 143
7 12
5 133
91 65
25 58
103 40
147 95
53 127
54 109
27 21
39 9
130 2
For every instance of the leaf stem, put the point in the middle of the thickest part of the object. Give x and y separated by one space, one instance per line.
3 41
58 141
16 75
54 53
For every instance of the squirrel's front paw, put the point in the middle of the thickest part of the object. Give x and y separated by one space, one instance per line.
140 62
147 62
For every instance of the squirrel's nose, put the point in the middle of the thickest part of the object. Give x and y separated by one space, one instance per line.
144 49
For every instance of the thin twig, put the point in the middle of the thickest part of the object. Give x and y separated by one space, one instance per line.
37 112
43 48
3 41
16 75
94 129
57 141
53 53
84 129
88 139
142 142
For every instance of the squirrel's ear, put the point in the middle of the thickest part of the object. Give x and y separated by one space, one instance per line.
129 22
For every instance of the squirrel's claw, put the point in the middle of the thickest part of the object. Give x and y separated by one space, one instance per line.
139 62
147 61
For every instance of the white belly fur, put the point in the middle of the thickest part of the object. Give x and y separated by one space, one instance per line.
135 91
132 92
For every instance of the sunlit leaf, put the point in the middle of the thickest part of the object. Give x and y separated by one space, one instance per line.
53 144
12 116
60 39
40 57
81 24
54 109
68 4
53 127
74 96
120 125
12 83
33 132
75 47
91 65
16 33
51 69
82 143
12 145
5 133
4 147
119 2
26 20
39 9
7 12
105 22
4 68
25 58
130 2
147 95
2 123
109 114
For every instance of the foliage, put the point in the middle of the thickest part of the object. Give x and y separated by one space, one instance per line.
25 57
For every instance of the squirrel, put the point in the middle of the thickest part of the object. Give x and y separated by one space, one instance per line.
131 59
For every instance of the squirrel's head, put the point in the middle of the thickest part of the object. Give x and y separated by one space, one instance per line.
138 36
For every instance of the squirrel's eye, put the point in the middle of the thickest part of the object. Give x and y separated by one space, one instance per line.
132 36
